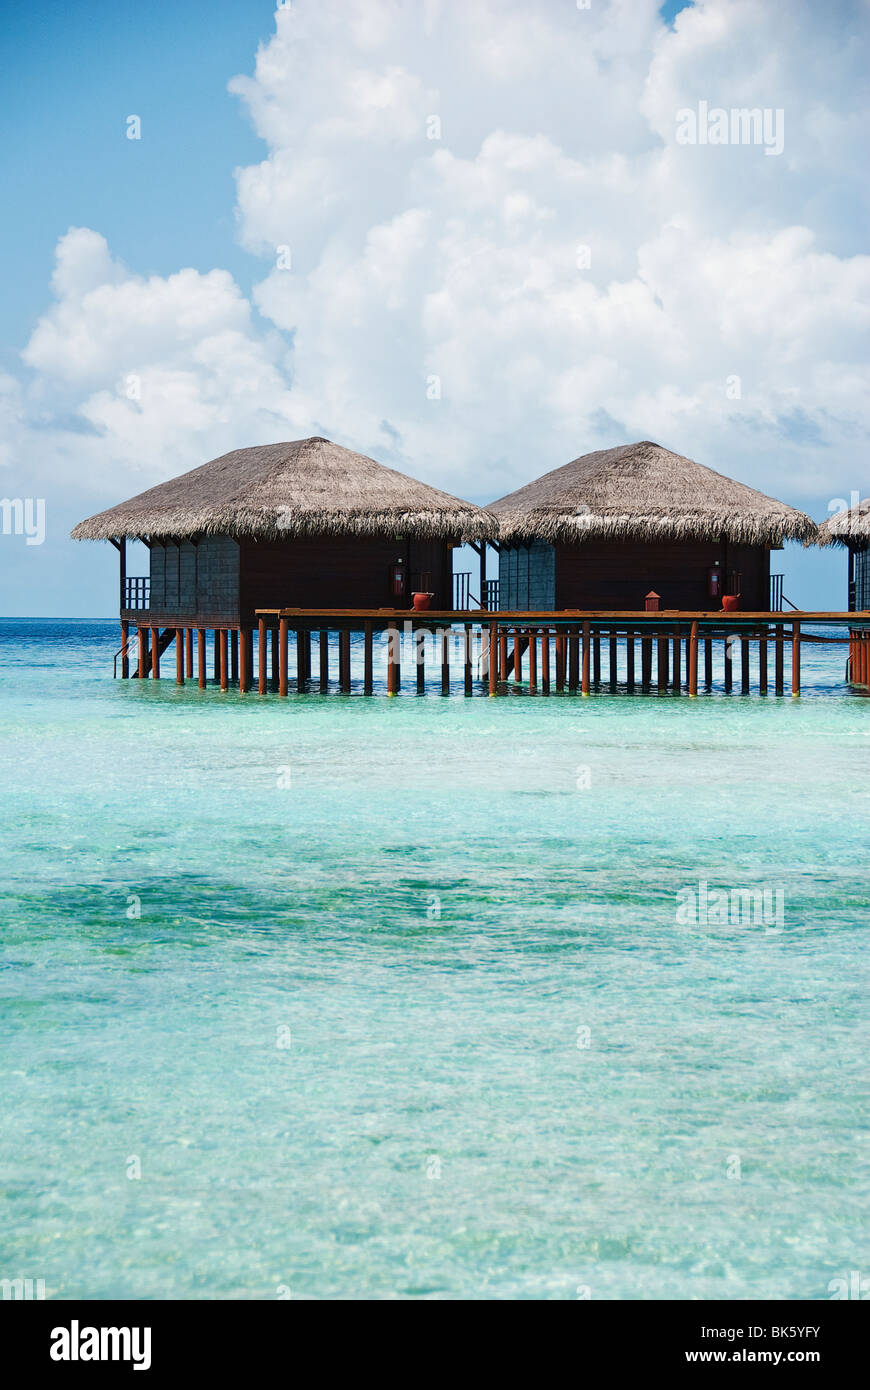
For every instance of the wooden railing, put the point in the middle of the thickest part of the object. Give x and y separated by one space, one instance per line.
137 592
462 589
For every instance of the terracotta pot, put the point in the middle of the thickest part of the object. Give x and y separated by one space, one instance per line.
730 603
421 601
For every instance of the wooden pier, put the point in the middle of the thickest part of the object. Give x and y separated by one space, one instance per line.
476 651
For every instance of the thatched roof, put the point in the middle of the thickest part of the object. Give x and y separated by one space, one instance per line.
307 487
644 492
849 527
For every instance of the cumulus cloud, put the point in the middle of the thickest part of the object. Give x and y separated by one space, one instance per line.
571 275
135 375
484 252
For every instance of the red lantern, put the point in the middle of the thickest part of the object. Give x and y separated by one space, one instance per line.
714 581
652 602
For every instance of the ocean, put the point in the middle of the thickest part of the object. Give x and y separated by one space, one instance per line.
426 998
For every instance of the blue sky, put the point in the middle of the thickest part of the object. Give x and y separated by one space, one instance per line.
554 135
73 72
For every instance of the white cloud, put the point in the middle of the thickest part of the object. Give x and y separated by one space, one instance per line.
458 257
144 376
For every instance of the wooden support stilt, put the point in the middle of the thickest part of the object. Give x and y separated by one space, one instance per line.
533 661
155 653
693 659
344 660
200 657
677 671
779 659
492 669
545 661
662 662
420 660
708 662
762 661
216 652
274 663
283 655
729 669
244 661
629 660
179 656
560 659
189 653
518 655
645 662
125 660
323 654
584 677
445 663
300 660
502 654
142 634
596 658
261 656
224 665
613 666
368 658
795 658
234 655
394 669
468 673
573 658
744 663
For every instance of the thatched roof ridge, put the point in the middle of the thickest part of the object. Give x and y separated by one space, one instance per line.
645 492
303 488
849 527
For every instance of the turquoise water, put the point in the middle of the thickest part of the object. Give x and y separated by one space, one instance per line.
423 1022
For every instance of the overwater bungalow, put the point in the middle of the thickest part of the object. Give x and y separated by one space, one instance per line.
309 542
307 523
619 525
850 528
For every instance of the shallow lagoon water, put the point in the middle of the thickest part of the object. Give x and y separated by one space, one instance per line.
423 1023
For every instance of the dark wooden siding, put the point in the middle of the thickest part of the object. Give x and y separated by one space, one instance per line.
199 580
618 575
862 578
527 576
337 572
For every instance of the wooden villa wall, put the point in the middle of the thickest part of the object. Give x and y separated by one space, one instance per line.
862 578
617 575
224 580
337 572
527 577
196 580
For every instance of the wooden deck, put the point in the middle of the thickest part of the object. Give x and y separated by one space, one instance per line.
530 652
567 615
